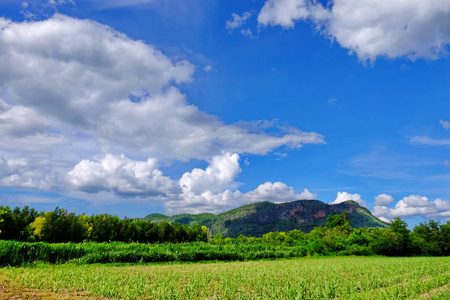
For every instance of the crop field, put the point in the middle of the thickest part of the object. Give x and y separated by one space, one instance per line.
300 278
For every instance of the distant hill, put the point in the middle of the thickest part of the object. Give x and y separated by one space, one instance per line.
256 219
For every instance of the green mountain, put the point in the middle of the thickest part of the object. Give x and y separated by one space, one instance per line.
259 218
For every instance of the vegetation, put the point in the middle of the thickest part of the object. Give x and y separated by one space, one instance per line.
55 237
59 226
324 278
75 245
337 237
256 219
22 253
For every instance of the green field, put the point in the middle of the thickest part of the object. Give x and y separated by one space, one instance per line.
299 278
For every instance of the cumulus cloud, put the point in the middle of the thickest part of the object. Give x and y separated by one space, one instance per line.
237 21
371 28
344 196
208 190
383 200
283 12
306 195
277 192
220 173
22 128
70 69
28 173
122 176
166 126
222 201
75 93
81 76
445 124
415 205
215 203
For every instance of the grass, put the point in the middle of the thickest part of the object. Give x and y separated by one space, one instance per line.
21 253
300 278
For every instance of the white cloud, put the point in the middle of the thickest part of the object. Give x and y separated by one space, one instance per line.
284 12
209 190
371 28
208 68
415 205
383 200
445 124
122 176
205 202
78 75
344 196
28 173
226 200
69 68
166 126
384 219
276 192
220 173
237 21
75 90
425 140
307 195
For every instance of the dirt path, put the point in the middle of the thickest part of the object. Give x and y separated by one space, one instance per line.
7 291
430 294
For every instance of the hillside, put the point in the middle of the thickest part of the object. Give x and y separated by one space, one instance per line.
259 218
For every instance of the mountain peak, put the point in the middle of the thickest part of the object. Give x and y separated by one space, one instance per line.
256 219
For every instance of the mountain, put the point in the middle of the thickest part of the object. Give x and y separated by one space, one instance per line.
256 219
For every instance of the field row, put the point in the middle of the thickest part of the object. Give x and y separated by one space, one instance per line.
304 278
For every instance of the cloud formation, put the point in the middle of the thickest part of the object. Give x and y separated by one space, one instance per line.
80 78
210 190
220 173
28 173
344 196
228 199
284 12
415 205
371 28
383 200
121 175
237 21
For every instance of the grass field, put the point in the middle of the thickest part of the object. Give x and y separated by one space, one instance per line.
301 278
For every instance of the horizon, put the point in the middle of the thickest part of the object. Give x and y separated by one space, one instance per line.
122 107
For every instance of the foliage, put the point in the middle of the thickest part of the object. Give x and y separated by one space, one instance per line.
21 253
59 226
323 278
336 237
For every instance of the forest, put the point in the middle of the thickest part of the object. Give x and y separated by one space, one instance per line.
58 236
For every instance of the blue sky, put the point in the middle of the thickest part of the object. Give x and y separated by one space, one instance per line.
141 106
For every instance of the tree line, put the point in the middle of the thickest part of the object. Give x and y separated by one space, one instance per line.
60 226
336 237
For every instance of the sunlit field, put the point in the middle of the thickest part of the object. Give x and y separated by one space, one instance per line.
300 278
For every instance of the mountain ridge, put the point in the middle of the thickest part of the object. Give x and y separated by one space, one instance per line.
256 219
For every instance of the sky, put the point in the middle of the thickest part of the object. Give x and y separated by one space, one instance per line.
132 107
